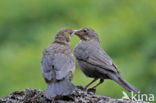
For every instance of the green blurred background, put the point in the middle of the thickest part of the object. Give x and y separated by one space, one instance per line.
127 31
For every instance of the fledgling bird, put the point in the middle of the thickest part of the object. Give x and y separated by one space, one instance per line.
58 65
95 62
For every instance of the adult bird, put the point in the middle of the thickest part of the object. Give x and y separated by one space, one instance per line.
58 65
95 62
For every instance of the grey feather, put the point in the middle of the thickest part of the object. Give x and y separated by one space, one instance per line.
123 83
93 54
57 66
94 61
62 88
62 64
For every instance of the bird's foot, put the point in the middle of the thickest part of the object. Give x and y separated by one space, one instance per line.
84 89
93 90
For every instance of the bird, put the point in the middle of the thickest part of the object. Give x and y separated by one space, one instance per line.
58 65
95 62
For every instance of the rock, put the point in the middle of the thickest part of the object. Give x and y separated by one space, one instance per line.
78 96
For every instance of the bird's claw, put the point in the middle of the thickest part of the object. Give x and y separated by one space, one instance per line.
93 90
84 89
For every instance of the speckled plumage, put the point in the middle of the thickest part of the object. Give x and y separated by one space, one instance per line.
58 65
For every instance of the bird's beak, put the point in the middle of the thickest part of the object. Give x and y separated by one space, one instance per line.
75 32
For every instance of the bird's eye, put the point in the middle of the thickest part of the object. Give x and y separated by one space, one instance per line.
70 32
84 31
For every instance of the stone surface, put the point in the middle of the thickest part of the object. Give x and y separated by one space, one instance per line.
78 96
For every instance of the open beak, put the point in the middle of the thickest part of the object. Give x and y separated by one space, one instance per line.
75 32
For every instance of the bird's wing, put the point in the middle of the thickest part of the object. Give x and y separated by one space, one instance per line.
99 58
57 66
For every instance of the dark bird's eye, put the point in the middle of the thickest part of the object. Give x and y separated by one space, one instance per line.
70 32
84 31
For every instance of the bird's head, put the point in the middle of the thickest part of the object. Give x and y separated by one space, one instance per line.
86 34
64 36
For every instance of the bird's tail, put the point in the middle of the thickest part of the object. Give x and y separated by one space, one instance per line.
124 83
63 87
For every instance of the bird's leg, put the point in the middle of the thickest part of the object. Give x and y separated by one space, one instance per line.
93 89
100 82
85 88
